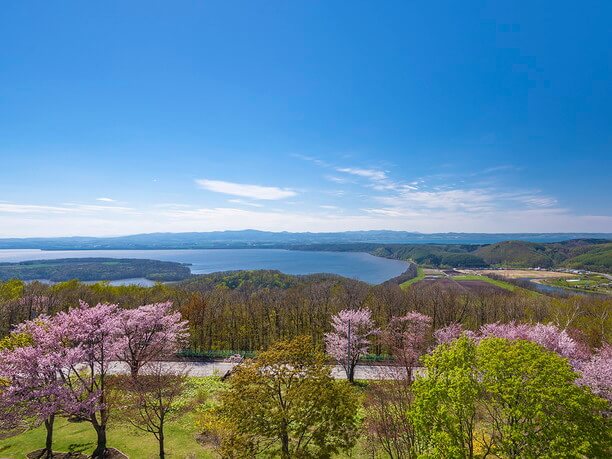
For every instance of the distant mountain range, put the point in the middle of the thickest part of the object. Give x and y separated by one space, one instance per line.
254 239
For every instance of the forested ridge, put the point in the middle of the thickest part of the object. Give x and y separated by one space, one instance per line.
590 254
248 310
93 269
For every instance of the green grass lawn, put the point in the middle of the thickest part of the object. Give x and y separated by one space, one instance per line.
80 436
70 436
180 435
420 276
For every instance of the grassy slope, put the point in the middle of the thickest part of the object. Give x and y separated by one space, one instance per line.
420 276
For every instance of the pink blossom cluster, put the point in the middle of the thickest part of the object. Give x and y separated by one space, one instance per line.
350 337
595 369
407 337
62 369
597 372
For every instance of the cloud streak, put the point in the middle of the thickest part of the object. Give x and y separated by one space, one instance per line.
14 208
23 220
372 174
246 190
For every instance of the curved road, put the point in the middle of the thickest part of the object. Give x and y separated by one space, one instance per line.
199 369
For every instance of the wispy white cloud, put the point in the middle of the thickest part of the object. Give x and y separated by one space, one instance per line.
336 179
75 207
244 203
501 168
372 174
30 208
105 199
312 159
246 190
16 208
385 212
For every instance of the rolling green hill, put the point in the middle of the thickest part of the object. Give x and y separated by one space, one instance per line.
518 254
591 254
598 258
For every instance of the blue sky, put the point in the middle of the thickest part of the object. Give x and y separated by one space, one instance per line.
126 117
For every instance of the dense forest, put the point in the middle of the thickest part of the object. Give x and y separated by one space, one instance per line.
94 269
248 310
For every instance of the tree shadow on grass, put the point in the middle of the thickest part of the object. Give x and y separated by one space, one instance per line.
81 447
56 455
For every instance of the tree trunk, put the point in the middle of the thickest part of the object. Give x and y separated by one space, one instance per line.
134 369
49 440
162 453
100 451
284 441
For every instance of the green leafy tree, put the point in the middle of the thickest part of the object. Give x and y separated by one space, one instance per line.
11 289
533 408
15 340
286 404
507 399
445 402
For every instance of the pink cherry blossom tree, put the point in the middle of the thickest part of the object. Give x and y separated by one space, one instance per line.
61 364
407 338
548 336
150 333
447 334
597 372
32 391
350 338
92 339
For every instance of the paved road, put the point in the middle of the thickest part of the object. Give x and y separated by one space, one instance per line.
220 368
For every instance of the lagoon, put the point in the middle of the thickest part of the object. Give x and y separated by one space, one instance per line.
357 265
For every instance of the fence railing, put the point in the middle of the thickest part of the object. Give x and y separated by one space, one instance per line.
214 354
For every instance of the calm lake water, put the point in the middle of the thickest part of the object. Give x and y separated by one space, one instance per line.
360 266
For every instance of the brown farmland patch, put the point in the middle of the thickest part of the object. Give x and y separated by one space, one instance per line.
474 286
482 286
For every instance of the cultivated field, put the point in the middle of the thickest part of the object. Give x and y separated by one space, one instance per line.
467 283
519 273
